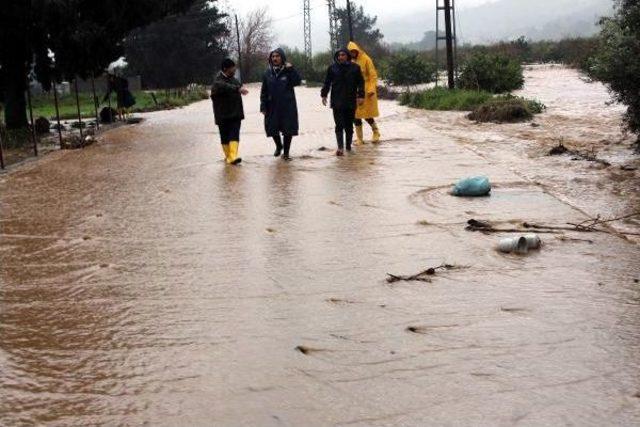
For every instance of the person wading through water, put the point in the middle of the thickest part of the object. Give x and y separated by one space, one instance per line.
226 94
344 81
369 109
278 102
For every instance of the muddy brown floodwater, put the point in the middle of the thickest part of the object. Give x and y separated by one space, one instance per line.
143 282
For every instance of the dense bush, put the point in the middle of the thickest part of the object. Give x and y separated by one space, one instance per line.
492 73
573 52
409 70
617 61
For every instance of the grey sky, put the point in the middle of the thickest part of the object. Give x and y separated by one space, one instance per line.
288 23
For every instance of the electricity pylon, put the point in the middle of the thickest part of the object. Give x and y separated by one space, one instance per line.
333 24
307 30
450 38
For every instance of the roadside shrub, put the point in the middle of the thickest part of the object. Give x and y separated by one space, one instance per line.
409 69
445 100
42 125
492 73
535 106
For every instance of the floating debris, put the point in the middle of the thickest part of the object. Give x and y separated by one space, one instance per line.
423 276
307 350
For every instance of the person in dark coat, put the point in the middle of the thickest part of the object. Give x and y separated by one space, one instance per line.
278 102
124 97
345 82
226 94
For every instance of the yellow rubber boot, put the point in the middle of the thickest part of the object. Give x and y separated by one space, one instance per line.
225 148
359 135
233 158
376 133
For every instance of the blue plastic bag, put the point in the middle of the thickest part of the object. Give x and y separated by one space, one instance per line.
472 187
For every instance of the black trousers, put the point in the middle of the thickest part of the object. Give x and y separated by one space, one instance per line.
370 121
229 131
287 143
344 119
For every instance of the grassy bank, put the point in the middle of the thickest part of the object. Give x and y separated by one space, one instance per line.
44 106
442 99
484 106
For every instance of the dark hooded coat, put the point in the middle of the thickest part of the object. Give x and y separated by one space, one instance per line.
278 98
345 82
227 99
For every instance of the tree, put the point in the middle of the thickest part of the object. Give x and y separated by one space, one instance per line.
365 32
84 36
256 37
617 60
409 69
180 49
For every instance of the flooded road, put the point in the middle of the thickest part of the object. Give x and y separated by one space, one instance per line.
144 282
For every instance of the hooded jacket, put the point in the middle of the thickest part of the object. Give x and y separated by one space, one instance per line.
227 100
345 83
369 109
278 98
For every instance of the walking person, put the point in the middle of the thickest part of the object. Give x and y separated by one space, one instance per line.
124 97
278 102
369 109
344 81
226 94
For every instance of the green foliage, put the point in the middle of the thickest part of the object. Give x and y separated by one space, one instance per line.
365 32
493 73
445 100
316 72
180 49
304 66
534 105
617 61
409 70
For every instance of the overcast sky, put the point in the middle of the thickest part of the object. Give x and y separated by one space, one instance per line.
288 18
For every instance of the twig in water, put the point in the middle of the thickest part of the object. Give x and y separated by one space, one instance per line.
590 156
485 227
423 276
590 224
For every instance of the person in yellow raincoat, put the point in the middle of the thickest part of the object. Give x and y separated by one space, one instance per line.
369 109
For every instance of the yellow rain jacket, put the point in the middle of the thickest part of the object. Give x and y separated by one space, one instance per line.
369 109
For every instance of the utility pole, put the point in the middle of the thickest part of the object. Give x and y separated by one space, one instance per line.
350 20
333 24
307 30
450 38
239 48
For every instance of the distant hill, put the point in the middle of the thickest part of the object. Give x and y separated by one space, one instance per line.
507 20
537 20
428 42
